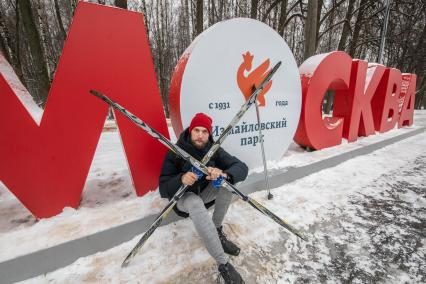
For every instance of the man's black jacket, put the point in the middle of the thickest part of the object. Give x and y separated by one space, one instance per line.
174 167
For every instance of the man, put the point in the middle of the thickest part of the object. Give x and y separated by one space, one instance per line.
202 193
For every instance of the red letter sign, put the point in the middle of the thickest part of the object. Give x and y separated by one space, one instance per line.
320 73
45 166
354 104
385 101
408 95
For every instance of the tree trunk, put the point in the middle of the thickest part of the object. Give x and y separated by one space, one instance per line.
357 28
221 8
253 10
317 25
330 21
121 4
30 33
6 41
60 23
283 17
145 17
346 26
420 96
330 98
199 17
310 29
418 58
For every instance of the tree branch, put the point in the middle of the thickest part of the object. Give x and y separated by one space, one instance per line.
292 16
272 6
332 26
293 6
329 11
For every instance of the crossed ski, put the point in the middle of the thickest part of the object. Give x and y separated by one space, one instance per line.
201 166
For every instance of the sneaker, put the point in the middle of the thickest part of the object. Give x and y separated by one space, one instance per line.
228 246
229 274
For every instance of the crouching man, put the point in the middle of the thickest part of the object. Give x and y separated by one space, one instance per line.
202 192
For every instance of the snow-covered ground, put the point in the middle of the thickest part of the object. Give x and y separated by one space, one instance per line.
365 219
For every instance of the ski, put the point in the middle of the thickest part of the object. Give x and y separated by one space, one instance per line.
184 155
164 213
196 164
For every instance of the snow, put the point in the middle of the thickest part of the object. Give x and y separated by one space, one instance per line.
108 190
310 64
296 156
341 209
20 91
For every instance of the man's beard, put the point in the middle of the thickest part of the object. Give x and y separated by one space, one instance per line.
198 144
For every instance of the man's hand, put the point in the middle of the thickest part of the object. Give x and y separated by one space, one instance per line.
189 178
214 173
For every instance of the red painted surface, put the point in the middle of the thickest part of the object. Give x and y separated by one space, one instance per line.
408 95
367 105
385 101
320 73
174 92
46 166
354 104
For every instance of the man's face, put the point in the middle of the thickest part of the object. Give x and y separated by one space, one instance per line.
199 137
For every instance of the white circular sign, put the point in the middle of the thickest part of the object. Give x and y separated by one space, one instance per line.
215 76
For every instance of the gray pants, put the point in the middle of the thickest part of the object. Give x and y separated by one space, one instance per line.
204 225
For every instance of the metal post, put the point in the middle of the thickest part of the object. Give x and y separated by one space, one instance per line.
265 167
383 35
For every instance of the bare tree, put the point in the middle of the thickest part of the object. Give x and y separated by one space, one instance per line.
60 23
200 17
121 3
32 33
283 17
311 29
346 26
28 38
7 39
253 11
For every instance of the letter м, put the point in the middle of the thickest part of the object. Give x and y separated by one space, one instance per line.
45 164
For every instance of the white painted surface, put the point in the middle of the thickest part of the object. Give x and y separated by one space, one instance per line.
210 78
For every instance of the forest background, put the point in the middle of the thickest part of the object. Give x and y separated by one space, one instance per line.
32 33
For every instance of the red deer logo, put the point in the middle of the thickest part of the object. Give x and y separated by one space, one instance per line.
254 78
